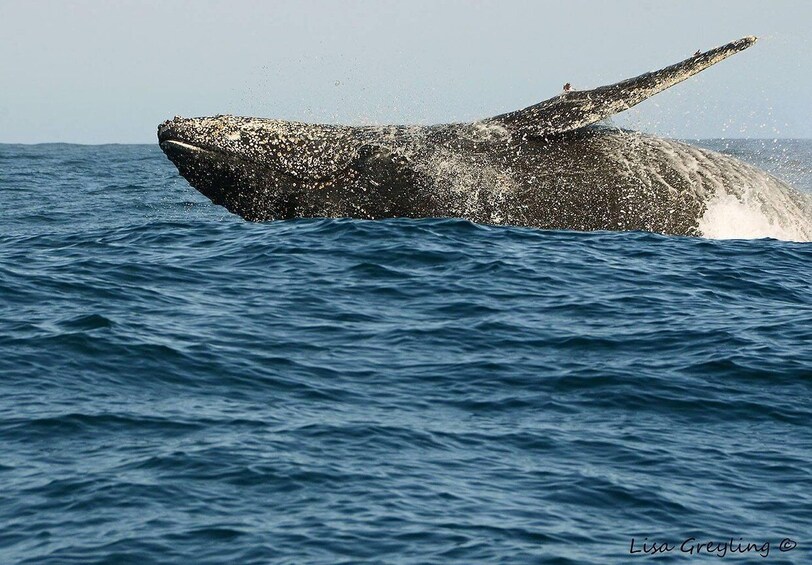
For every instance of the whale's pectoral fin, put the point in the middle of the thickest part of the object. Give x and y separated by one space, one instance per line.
576 109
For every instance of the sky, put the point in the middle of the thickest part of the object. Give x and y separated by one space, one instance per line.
108 71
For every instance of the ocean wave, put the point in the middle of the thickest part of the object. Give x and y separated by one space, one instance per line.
179 385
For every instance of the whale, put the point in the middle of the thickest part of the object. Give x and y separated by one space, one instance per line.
558 164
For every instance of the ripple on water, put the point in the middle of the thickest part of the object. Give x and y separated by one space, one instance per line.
182 386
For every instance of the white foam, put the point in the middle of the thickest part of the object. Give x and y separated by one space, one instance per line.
734 217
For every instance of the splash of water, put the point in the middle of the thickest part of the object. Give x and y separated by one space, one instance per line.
758 213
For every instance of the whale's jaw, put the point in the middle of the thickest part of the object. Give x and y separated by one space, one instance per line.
250 190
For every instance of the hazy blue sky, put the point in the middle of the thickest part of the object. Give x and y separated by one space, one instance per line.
110 71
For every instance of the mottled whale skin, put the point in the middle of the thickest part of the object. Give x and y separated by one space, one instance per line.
550 166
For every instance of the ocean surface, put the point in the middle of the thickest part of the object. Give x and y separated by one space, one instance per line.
180 386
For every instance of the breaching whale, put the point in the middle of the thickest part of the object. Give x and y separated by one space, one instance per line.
552 165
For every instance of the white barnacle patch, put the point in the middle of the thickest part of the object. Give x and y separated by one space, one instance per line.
186 146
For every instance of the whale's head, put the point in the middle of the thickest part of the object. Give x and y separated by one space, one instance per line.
261 168
298 150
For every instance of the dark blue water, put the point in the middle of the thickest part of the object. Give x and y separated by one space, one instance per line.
180 386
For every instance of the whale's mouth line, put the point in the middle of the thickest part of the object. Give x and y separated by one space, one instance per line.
177 146
174 148
192 148
173 145
184 145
